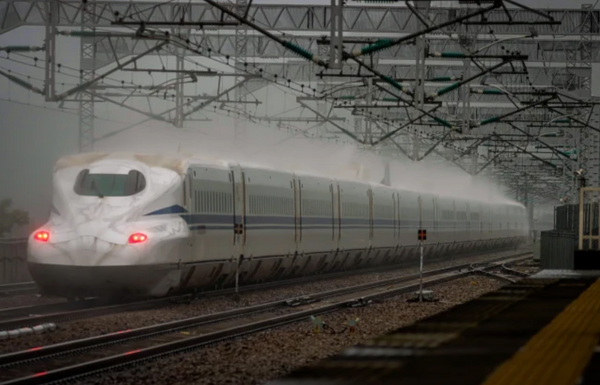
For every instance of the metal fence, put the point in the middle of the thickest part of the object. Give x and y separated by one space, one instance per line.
566 218
557 249
13 260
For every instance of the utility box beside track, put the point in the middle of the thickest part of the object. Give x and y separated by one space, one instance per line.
557 249
557 246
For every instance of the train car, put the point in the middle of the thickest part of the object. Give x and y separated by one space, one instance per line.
150 225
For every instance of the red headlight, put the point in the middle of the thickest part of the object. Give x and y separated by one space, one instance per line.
137 238
42 236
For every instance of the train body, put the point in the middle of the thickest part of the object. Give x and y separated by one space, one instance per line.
150 225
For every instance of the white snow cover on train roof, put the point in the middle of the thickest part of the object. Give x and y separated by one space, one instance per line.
175 162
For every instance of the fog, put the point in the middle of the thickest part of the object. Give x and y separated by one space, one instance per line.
34 139
264 146
36 133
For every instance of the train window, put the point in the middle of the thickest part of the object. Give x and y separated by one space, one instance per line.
447 215
109 185
213 202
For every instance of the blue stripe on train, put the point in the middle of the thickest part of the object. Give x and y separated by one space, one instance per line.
225 221
279 227
175 209
284 227
279 220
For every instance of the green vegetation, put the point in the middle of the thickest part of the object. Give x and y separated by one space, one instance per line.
10 218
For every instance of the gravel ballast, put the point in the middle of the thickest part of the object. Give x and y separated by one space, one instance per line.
129 320
27 300
264 356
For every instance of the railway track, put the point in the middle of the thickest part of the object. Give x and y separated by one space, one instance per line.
20 288
74 359
506 268
27 316
17 317
506 273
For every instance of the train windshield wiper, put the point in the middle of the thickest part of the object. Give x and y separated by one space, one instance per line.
96 190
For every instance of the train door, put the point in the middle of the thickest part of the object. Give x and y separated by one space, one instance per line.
238 179
395 216
398 218
371 218
299 217
454 220
332 213
468 232
339 215
482 220
435 217
297 208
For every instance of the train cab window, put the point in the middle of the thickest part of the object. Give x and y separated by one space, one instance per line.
109 185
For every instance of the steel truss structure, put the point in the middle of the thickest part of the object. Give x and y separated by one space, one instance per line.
492 86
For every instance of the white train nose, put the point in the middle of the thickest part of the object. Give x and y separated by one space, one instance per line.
89 281
85 251
89 266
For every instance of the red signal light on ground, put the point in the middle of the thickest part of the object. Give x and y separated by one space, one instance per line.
137 238
42 236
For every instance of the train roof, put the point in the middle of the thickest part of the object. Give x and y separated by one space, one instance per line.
177 162
180 162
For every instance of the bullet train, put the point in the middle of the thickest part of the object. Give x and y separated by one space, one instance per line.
151 225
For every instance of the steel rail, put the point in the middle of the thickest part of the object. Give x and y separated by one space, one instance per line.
504 267
512 271
25 316
11 289
360 293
